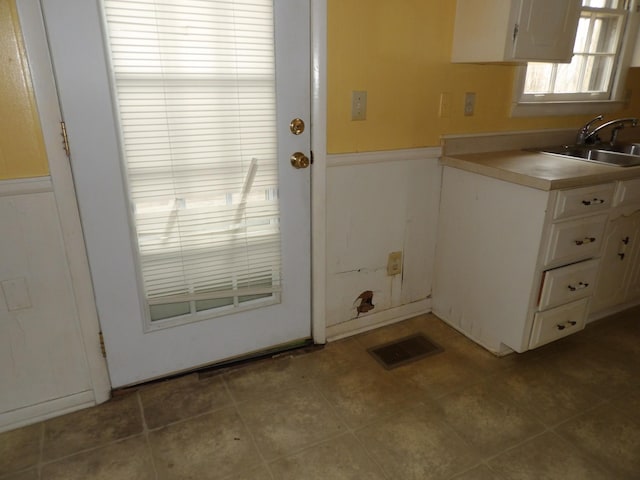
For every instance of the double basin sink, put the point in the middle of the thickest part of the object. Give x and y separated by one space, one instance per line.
619 155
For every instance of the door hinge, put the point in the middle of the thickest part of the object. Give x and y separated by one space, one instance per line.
103 349
65 139
516 28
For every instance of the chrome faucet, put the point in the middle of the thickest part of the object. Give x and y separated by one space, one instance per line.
585 131
589 137
620 126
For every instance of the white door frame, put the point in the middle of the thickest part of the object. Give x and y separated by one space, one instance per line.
318 27
46 95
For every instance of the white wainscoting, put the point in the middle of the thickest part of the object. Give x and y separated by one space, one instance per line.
378 203
43 365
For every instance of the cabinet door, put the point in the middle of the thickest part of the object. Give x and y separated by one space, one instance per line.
621 246
635 60
633 249
546 30
520 30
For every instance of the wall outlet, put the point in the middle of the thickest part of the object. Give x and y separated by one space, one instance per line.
358 105
469 103
394 263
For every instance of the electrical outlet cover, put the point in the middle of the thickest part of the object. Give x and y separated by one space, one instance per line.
358 105
469 103
394 263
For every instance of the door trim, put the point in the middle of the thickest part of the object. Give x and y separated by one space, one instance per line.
318 27
35 41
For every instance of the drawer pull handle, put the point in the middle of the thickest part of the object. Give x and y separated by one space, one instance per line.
562 326
585 240
580 286
595 201
623 247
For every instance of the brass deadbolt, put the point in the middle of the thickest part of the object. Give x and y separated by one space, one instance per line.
296 126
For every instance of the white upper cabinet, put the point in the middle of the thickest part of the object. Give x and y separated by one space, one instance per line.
635 60
515 30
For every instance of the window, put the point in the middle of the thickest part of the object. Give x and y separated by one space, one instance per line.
596 64
195 92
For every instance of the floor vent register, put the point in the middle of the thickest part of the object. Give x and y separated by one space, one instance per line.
404 350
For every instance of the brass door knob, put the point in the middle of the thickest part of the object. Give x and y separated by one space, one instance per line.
299 160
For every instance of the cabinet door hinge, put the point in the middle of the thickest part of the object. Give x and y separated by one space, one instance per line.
65 139
516 28
103 349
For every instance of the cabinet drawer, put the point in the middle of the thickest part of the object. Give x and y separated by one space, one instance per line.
575 240
580 201
566 284
558 322
628 192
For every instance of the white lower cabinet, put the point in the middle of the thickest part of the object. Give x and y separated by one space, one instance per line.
585 200
619 275
569 283
558 322
516 267
575 239
634 278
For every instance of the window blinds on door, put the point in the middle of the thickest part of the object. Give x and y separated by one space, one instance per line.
195 90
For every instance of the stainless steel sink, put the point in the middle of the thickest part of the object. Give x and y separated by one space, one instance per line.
628 148
619 155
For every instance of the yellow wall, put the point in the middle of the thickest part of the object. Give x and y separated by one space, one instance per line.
22 151
398 51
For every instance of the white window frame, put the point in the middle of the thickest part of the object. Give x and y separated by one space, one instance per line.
618 97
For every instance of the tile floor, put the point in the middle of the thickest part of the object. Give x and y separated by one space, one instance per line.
570 410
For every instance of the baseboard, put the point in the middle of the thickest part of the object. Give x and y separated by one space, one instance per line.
45 410
376 320
612 311
502 351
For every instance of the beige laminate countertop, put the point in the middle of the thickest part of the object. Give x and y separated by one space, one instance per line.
538 170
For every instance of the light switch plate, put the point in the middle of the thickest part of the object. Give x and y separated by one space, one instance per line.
16 294
445 105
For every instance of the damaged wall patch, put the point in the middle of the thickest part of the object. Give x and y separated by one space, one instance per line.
366 302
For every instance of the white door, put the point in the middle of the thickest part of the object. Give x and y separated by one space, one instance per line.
148 337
